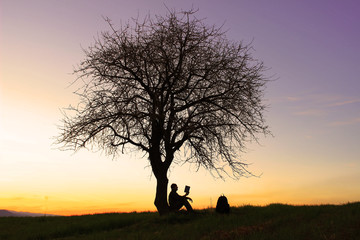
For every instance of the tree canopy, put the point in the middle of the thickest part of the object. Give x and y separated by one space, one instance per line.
166 85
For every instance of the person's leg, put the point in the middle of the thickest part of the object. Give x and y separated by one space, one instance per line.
176 207
180 204
188 206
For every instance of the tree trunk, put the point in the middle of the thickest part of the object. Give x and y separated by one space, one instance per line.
160 171
159 168
161 202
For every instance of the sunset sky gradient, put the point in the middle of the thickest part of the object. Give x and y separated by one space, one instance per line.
313 54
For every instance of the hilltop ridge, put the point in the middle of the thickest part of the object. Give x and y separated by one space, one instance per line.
8 213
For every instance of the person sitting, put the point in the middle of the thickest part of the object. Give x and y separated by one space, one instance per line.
176 201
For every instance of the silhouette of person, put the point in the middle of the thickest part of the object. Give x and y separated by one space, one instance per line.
176 201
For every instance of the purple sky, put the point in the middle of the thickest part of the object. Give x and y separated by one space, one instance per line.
310 47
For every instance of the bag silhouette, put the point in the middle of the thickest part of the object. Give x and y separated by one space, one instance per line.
222 205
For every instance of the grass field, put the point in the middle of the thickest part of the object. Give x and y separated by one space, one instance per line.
275 221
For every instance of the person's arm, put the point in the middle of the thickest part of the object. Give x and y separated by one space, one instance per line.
185 196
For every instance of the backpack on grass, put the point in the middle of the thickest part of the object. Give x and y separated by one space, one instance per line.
222 205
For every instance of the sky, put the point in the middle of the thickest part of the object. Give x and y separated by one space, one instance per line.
313 57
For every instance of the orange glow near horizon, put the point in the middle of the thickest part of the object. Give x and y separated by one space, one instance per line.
84 206
135 196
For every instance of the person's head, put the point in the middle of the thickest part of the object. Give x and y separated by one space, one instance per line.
174 187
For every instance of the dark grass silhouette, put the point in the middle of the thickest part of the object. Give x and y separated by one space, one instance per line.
275 221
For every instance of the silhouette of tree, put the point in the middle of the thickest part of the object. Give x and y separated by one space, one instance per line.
166 84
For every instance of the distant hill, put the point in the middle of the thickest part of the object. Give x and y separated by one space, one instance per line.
7 213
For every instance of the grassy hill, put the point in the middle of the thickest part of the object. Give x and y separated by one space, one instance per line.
275 221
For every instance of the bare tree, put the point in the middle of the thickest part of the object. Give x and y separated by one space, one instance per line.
166 84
